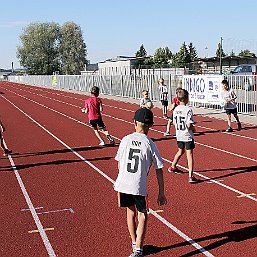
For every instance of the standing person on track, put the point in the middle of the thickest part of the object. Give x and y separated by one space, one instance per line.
2 129
146 101
175 102
183 121
163 90
135 155
94 107
230 106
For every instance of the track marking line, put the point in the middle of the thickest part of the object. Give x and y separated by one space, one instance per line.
181 234
37 231
245 195
80 122
212 182
123 109
36 208
157 211
54 211
38 223
189 240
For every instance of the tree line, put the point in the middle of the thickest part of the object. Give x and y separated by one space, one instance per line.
49 47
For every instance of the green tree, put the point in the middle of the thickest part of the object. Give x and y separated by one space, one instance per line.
38 52
182 57
220 51
192 52
141 55
72 49
247 53
141 52
162 57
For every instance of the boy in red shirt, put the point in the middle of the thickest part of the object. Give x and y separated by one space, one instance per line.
175 102
94 107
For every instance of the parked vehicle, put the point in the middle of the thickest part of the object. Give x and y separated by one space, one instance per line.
245 77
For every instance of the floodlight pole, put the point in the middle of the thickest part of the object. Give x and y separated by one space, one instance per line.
221 39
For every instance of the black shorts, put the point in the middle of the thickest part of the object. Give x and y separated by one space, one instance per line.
127 200
164 102
190 145
98 122
231 111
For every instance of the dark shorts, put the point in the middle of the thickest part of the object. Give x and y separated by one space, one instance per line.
98 122
231 111
164 102
127 200
190 145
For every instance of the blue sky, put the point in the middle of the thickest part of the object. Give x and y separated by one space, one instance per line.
117 27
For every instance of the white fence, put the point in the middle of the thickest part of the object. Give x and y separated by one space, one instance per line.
131 87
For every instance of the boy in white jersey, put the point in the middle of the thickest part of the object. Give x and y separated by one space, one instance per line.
163 89
135 156
183 121
229 97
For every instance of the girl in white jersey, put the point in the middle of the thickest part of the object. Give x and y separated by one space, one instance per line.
135 156
183 122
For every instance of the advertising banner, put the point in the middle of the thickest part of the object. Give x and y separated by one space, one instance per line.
203 88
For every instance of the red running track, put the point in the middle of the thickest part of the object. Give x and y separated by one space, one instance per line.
57 196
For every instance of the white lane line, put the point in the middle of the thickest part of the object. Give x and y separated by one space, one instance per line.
212 180
123 109
205 252
106 115
216 182
54 211
181 234
32 209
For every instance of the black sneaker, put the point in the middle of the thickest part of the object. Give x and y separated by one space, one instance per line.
111 140
239 126
7 151
229 129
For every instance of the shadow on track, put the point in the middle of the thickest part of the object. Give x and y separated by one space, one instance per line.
237 235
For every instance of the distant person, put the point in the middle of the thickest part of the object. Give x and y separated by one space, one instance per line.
135 156
5 150
163 91
183 122
175 102
146 101
94 107
230 105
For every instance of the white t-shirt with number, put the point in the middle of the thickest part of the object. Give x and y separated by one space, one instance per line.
183 115
135 155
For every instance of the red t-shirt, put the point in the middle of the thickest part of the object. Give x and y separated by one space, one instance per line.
93 104
175 101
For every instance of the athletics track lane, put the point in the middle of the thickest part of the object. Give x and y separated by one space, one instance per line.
179 210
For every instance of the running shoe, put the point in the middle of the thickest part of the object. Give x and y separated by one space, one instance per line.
111 140
167 133
239 126
174 170
102 143
7 151
193 180
136 254
229 129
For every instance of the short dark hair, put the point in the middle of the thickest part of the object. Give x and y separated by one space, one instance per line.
95 90
225 82
182 95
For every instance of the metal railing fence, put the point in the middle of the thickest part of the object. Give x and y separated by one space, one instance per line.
131 86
